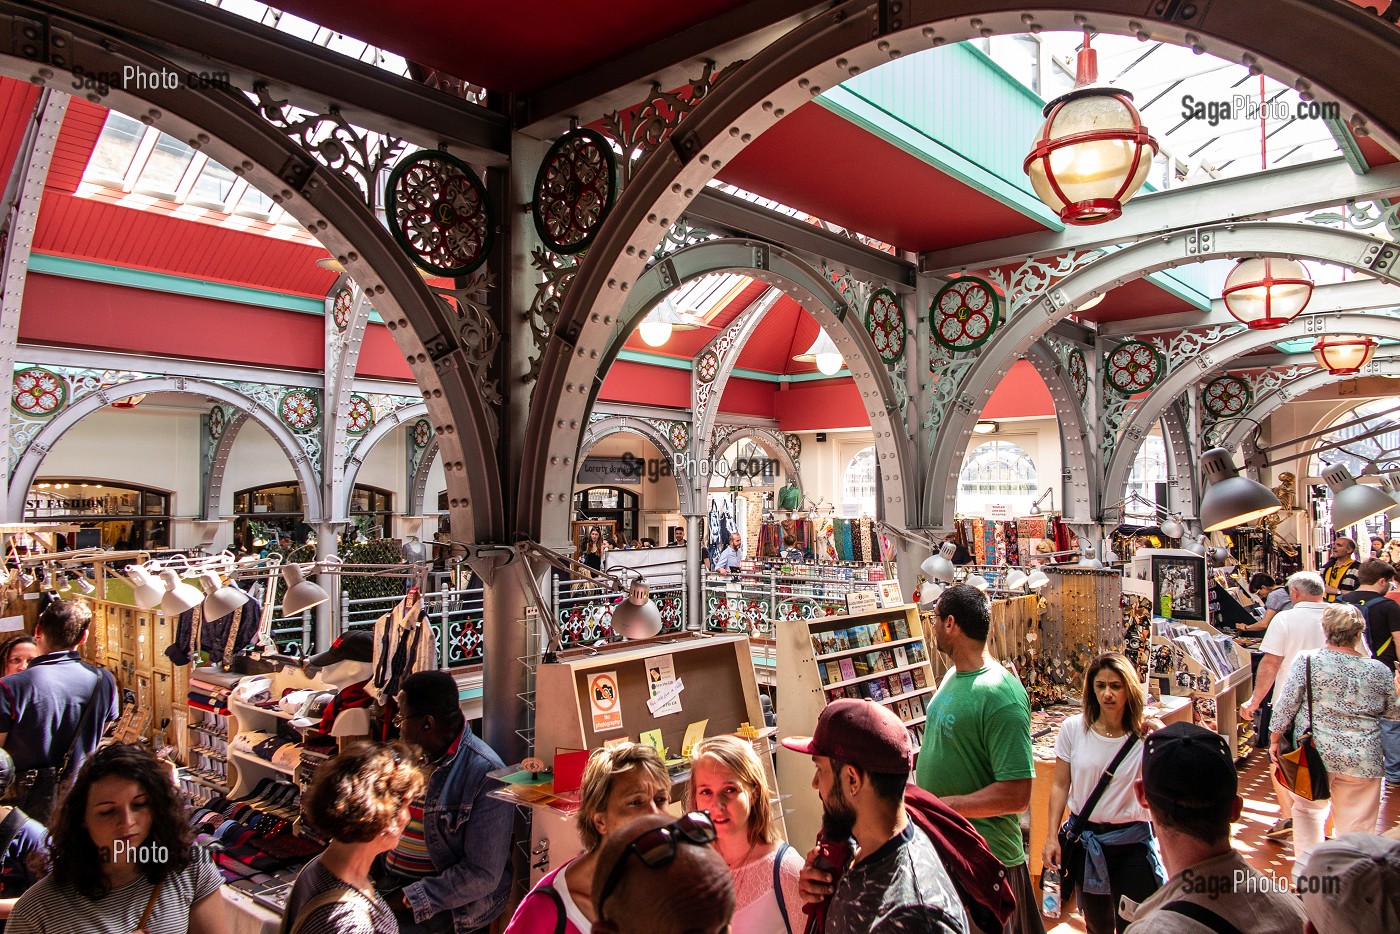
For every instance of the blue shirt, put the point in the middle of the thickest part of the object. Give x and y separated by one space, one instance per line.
41 707
728 559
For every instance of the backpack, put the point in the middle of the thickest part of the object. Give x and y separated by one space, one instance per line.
979 877
1366 602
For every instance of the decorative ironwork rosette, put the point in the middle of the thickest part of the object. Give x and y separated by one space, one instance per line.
218 421
1226 396
299 409
359 417
38 392
1134 366
884 319
707 367
965 313
438 212
340 309
574 190
793 445
1078 369
422 433
680 435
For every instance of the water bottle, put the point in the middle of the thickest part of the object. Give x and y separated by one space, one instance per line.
1050 893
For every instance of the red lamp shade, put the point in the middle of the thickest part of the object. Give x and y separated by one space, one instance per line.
1342 355
1266 292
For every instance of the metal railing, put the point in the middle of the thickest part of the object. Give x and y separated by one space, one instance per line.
750 602
584 611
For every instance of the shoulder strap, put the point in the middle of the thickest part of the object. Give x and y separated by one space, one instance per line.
1202 916
84 719
778 885
1105 778
549 892
1307 660
337 896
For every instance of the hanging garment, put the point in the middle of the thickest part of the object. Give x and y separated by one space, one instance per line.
824 540
222 638
1013 543
404 642
770 540
845 550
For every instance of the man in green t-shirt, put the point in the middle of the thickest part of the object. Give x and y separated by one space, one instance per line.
976 754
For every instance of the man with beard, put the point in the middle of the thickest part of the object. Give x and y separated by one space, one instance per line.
894 880
976 754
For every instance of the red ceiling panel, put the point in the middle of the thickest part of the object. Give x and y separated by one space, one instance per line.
932 211
1140 298
685 345
749 397
82 124
17 100
380 356
786 330
1020 394
646 385
94 230
821 405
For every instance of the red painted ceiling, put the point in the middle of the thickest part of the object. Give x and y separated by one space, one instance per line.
17 103
1140 298
791 163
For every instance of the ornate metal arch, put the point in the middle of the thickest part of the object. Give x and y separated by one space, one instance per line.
1078 475
1179 380
1181 460
28 465
630 424
418 483
218 465
222 124
549 456
705 395
855 36
342 343
771 440
361 449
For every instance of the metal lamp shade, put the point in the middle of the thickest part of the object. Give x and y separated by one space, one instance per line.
1231 499
1037 579
636 616
145 589
978 581
1394 491
84 585
222 599
1016 579
1172 528
1266 292
939 567
179 596
301 594
930 592
1351 501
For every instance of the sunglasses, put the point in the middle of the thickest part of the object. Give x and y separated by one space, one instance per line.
657 847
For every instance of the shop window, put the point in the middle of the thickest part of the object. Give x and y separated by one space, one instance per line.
269 513
123 516
609 504
998 478
858 484
1148 471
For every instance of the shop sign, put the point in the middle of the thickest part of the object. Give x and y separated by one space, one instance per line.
610 470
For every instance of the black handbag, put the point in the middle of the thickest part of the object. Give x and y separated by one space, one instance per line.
1071 850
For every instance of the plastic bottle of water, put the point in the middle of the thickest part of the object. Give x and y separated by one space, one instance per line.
1050 893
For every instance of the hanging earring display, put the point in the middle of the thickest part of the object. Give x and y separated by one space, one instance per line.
439 213
574 190
965 313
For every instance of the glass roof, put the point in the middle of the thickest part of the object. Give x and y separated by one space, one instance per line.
1375 441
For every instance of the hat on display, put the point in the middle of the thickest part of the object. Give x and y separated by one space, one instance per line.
312 711
1352 884
1188 766
357 645
859 732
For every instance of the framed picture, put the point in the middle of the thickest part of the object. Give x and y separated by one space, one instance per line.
1182 578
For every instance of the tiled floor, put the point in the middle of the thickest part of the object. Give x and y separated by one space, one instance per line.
1260 812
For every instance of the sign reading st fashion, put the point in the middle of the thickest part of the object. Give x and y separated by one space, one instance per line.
1244 107
132 78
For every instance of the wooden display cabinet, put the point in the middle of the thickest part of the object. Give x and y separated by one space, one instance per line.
806 683
1227 693
719 687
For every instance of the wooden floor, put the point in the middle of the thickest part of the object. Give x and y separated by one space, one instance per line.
1260 812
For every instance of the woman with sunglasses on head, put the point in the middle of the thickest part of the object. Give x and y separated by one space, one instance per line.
663 876
122 857
620 784
361 799
728 783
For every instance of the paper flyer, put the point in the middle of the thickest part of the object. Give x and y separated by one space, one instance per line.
661 680
605 701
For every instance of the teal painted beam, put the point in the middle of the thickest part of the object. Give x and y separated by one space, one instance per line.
675 363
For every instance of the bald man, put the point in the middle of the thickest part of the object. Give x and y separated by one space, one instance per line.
691 892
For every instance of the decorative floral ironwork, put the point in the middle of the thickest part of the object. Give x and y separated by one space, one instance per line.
707 366
299 409
1134 367
679 433
358 155
574 190
439 213
1361 216
422 433
359 415
38 392
642 128
1033 278
1225 396
476 330
794 446
218 421
948 372
1191 345
341 308
884 320
964 314
681 235
1078 370
556 272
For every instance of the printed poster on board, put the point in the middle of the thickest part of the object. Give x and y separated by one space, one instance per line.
605 700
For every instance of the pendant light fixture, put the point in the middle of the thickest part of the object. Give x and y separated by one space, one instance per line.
301 594
1093 153
824 354
1352 502
1231 499
1266 292
179 596
656 328
1342 355
1390 484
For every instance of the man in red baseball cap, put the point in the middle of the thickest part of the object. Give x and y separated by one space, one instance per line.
895 880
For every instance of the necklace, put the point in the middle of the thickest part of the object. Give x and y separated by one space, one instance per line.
1109 733
735 867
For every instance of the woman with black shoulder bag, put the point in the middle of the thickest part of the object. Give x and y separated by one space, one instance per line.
1106 849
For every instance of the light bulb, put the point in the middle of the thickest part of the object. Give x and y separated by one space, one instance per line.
829 363
655 333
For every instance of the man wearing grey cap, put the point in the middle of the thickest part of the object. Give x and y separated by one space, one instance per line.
1190 787
1351 885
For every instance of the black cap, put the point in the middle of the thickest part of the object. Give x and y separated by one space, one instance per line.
1188 766
357 645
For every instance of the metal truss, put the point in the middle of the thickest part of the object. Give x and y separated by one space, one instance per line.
671 438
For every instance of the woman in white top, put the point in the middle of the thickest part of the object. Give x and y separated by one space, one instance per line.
1118 826
620 784
727 781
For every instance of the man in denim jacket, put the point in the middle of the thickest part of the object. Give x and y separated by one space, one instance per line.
451 870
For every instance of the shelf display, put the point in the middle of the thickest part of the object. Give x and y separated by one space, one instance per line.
1209 667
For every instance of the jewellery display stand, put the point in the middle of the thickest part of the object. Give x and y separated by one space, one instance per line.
859 655
719 687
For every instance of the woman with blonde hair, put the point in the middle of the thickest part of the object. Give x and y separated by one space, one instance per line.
728 782
620 784
1101 747
1341 694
